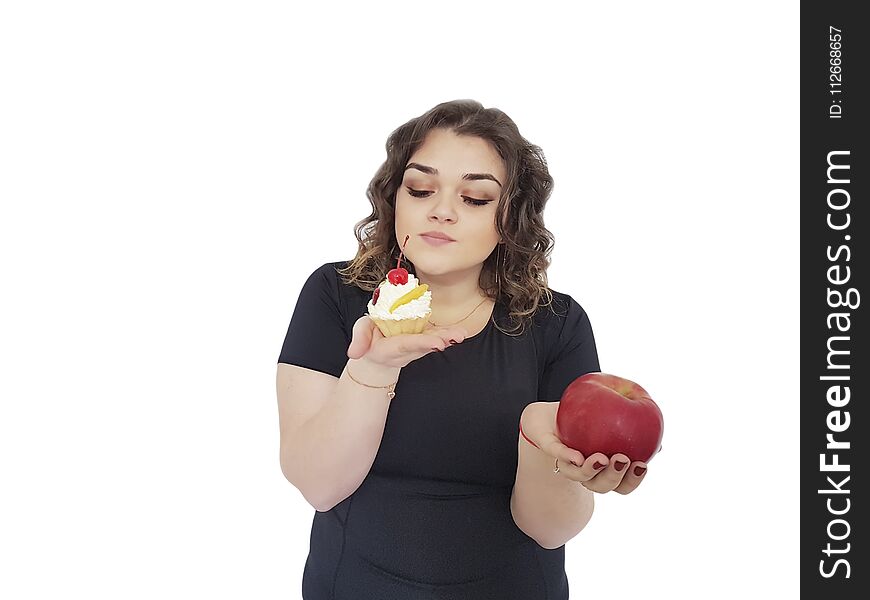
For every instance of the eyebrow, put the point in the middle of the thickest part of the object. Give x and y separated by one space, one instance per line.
466 176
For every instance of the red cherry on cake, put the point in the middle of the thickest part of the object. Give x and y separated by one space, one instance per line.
399 276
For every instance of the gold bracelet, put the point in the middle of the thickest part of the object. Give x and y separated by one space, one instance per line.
390 388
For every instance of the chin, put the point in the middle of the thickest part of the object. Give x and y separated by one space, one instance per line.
440 266
431 265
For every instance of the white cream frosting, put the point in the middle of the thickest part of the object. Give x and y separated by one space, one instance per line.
418 307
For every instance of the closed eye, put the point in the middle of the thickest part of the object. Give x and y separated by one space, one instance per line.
468 199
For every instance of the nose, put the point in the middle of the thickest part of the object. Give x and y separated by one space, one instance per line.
443 209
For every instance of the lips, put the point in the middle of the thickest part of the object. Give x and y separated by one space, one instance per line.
433 241
438 236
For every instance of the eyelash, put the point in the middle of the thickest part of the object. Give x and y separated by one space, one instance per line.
472 201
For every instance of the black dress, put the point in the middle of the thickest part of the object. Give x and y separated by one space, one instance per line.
432 519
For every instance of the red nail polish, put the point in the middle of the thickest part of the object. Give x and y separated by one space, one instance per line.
597 465
639 471
619 465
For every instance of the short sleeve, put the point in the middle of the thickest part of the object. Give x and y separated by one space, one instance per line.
316 337
573 352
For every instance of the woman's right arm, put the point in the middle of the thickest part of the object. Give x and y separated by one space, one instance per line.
328 456
331 428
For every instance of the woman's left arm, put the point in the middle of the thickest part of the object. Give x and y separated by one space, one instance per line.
552 508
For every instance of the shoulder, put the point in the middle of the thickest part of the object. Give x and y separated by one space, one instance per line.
328 274
351 299
561 325
330 269
564 310
324 283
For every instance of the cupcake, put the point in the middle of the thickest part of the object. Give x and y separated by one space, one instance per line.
400 304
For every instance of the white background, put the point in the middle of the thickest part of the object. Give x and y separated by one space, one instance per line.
172 172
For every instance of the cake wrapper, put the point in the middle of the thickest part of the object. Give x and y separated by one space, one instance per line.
391 327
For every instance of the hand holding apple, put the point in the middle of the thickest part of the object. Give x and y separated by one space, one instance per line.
609 414
596 472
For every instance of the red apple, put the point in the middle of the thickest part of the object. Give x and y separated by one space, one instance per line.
608 414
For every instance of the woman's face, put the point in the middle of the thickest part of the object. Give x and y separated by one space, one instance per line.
451 185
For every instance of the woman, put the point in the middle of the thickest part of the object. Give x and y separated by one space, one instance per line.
432 458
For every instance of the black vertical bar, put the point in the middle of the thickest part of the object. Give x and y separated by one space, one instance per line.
835 364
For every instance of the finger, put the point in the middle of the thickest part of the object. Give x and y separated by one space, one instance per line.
593 465
610 477
361 338
569 459
422 343
439 338
617 465
458 333
571 462
450 336
430 342
632 479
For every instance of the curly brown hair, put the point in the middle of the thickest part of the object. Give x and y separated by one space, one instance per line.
516 272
